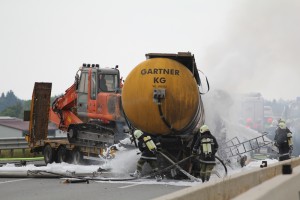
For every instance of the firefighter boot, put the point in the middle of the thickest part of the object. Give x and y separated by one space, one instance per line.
158 177
207 178
202 178
136 174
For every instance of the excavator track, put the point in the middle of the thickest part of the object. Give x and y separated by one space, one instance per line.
90 135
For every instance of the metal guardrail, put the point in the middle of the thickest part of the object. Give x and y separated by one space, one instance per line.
13 143
18 143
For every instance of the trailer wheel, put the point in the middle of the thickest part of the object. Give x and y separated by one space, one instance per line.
77 157
62 154
48 154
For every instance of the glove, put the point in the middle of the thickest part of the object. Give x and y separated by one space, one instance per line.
158 147
131 139
154 152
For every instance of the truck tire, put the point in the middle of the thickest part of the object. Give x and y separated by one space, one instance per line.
48 154
77 157
62 154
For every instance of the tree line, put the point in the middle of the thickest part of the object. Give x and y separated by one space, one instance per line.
12 106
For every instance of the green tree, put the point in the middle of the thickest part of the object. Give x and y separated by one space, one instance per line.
8 100
13 111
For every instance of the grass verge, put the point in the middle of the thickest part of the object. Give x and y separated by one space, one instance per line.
17 153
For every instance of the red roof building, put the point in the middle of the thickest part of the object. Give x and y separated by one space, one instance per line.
14 127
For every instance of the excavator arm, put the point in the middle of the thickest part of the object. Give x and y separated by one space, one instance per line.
63 109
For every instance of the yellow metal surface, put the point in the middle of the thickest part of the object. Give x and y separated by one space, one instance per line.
27 138
149 143
181 99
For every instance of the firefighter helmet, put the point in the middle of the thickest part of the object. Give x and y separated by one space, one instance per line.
282 125
204 128
137 134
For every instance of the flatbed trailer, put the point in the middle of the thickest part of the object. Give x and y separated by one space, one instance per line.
60 150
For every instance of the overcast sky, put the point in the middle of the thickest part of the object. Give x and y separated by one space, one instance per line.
241 45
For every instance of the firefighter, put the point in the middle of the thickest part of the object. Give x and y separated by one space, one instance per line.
283 141
149 154
206 146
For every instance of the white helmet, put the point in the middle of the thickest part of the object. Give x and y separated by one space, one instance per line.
137 134
282 125
204 128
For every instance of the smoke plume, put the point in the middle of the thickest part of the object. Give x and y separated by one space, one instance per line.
259 51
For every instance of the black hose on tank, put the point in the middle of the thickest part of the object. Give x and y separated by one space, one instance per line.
199 116
164 118
207 83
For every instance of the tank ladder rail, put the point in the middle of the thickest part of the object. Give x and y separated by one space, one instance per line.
237 148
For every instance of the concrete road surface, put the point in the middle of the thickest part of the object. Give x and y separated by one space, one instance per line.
55 189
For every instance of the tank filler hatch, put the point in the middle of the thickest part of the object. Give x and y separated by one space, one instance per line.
185 58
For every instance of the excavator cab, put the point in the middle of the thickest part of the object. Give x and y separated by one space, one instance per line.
98 94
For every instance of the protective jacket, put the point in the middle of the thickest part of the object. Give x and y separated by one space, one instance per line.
284 143
207 146
281 136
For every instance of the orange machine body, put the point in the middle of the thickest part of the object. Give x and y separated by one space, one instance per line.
85 100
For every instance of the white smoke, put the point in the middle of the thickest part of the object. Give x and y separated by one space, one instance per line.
259 50
258 53
124 162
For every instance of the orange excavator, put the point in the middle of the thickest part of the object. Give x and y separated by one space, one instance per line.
90 112
94 100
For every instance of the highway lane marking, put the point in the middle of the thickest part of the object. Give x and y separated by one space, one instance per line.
14 181
135 183
127 186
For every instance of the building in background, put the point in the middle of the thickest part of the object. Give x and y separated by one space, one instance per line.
11 127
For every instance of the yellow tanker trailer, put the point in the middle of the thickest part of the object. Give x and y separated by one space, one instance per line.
161 97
